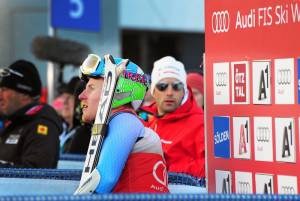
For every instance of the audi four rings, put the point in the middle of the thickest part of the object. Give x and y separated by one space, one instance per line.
221 79
284 76
263 134
243 187
220 21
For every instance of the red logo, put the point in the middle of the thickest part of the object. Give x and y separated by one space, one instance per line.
160 173
240 83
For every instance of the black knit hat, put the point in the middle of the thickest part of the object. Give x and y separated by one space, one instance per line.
22 76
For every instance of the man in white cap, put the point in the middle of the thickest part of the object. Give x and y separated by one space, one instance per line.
176 118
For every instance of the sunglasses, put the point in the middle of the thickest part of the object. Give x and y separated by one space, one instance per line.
176 86
4 72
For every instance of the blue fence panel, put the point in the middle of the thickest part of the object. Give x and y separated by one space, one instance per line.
183 183
71 161
72 157
18 181
40 173
69 164
181 178
29 186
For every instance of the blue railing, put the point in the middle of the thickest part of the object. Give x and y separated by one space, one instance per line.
71 161
154 197
72 157
181 178
40 173
55 184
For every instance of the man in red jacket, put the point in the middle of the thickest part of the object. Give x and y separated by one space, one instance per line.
176 118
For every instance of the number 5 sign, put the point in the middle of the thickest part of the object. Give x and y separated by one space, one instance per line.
76 14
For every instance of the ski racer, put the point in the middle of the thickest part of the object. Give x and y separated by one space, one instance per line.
131 159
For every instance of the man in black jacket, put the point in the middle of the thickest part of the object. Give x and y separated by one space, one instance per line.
30 137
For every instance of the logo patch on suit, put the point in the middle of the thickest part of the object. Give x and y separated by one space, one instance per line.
42 129
12 139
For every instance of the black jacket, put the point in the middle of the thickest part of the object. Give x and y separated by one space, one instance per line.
79 144
31 138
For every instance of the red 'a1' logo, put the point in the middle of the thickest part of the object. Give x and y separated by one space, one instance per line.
243 138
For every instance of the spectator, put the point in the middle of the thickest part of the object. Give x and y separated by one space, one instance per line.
131 159
76 134
195 81
30 138
67 98
58 104
176 118
78 137
68 92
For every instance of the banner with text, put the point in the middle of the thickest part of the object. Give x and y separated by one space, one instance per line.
252 69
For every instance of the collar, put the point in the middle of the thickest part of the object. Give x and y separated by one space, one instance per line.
22 111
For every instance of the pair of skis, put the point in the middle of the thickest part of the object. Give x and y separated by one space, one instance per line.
90 177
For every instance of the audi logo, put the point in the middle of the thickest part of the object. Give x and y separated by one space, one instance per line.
221 79
243 187
284 76
288 190
220 21
263 134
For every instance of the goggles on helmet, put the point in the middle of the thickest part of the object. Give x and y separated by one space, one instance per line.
132 83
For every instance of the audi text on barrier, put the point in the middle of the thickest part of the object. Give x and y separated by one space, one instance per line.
284 76
243 187
263 134
220 21
221 79
288 190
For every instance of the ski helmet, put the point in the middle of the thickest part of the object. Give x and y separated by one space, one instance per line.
132 83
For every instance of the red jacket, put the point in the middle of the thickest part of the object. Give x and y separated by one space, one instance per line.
182 136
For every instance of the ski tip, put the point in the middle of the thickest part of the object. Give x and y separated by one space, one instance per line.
126 61
121 67
112 60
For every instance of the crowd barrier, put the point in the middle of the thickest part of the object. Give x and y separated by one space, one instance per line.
40 173
183 183
74 174
72 157
181 178
50 181
71 161
154 197
38 181
55 185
